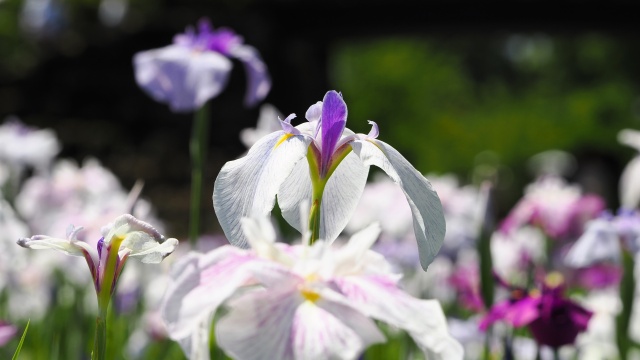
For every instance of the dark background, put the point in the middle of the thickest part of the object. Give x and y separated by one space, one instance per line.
74 75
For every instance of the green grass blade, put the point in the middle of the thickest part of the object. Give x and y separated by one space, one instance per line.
24 335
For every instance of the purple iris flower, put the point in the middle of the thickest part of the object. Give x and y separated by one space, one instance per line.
553 319
196 67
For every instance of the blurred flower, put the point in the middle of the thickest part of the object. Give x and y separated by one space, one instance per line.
599 340
599 276
603 238
21 145
630 177
267 123
195 68
332 179
7 332
89 195
558 208
112 12
514 254
125 237
43 18
310 302
466 280
553 320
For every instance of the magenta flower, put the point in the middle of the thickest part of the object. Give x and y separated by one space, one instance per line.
559 209
7 332
196 67
552 319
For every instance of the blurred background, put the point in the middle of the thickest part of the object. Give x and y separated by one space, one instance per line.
469 88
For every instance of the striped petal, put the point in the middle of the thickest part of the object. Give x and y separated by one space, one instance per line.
428 217
282 324
247 187
424 320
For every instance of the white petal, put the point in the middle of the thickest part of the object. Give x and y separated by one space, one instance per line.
258 325
69 247
196 346
200 283
428 217
350 258
261 236
630 184
183 78
339 200
599 242
247 187
278 323
139 239
424 320
630 137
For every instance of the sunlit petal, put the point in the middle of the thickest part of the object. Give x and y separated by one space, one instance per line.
428 217
248 186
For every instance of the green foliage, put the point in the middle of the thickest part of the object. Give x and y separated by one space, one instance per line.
24 334
442 103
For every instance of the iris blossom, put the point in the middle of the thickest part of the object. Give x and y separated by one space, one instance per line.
125 237
553 319
297 301
196 67
7 332
326 164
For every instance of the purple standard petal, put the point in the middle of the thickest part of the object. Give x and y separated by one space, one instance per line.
258 79
334 120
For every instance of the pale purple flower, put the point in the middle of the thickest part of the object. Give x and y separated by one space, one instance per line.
297 301
7 332
325 164
196 67
21 145
604 238
558 208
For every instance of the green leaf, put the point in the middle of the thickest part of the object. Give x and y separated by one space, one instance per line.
24 335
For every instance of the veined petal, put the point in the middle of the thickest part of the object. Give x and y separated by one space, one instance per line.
334 120
247 187
424 320
258 80
181 77
279 323
339 200
200 283
428 217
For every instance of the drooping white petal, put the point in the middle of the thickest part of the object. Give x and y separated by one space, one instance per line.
40 242
428 217
599 242
339 200
630 184
247 187
424 320
181 77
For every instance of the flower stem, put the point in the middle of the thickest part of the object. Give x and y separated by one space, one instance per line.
100 342
197 147
627 291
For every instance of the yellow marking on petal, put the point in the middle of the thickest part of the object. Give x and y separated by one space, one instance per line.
554 279
310 295
283 139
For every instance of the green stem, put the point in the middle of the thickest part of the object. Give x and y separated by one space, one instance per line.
100 342
627 291
197 147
